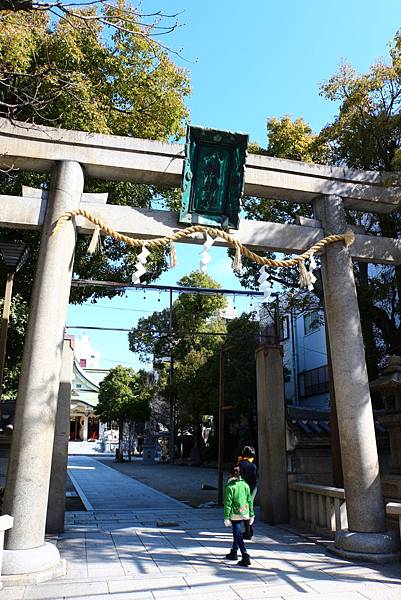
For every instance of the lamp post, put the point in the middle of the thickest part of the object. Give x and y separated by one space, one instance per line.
14 255
171 435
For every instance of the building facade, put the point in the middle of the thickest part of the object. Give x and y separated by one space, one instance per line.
87 375
305 359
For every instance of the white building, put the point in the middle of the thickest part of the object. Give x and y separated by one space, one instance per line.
302 335
84 354
84 424
305 359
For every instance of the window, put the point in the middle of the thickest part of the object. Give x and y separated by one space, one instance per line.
315 381
311 322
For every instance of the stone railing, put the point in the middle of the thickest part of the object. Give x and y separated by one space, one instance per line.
6 522
317 507
394 509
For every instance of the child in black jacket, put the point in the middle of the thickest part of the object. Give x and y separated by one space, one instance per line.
247 467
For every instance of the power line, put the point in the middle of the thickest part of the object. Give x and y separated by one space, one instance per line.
161 333
160 288
121 362
116 308
97 328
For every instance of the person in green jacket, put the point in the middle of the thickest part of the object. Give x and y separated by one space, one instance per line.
238 506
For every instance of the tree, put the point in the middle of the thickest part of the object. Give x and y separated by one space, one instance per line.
123 84
243 335
192 315
366 134
76 74
15 339
37 70
192 342
293 140
124 396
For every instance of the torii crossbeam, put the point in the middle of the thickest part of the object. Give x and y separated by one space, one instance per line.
68 155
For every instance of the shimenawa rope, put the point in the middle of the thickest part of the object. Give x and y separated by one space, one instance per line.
348 237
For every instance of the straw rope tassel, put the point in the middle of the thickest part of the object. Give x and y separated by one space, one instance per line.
237 262
94 241
303 279
173 255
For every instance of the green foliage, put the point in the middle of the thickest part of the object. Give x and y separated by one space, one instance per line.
193 341
240 377
366 134
367 131
294 140
15 340
241 342
124 396
66 73
69 73
191 314
77 73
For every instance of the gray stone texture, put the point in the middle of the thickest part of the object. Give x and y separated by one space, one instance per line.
123 554
27 487
365 506
272 485
159 163
58 476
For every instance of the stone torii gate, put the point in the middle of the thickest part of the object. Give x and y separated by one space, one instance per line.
69 156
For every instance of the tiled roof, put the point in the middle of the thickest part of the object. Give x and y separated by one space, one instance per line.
315 422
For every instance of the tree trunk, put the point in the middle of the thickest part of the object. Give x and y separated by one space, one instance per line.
119 452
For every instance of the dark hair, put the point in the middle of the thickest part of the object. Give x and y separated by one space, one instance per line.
235 472
248 452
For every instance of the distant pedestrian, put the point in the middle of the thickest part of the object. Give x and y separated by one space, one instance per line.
238 506
247 467
139 444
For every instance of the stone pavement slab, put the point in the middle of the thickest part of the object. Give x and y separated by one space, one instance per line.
128 551
104 488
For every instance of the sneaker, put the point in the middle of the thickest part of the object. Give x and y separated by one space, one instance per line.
232 555
245 561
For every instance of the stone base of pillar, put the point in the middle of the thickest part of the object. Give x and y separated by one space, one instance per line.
148 455
32 565
34 578
371 547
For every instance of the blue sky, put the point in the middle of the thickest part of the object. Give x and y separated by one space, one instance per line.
249 61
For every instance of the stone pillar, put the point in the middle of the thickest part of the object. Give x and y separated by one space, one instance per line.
27 487
367 537
58 475
272 485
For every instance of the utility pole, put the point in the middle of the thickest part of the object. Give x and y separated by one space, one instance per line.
222 409
171 381
220 457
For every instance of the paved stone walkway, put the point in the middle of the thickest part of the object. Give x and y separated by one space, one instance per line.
166 552
101 488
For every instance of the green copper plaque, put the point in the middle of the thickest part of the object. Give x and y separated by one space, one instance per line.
213 177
